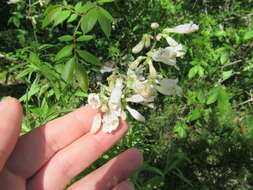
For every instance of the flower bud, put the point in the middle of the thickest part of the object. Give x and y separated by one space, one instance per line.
138 47
158 37
154 25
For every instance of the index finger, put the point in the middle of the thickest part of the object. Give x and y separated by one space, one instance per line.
35 148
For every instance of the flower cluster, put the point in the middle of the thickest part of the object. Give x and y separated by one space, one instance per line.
141 83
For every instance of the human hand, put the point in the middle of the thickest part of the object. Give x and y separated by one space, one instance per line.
48 157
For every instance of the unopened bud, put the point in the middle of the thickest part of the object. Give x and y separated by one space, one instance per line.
138 47
154 25
158 37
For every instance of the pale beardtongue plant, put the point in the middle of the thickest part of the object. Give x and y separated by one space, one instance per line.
141 83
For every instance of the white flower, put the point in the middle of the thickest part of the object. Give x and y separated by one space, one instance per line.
165 56
154 25
13 1
136 115
96 124
136 98
106 69
115 98
94 101
110 122
138 47
169 87
183 28
177 49
135 63
144 89
152 71
171 41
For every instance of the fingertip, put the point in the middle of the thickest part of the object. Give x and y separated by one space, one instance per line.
125 185
136 156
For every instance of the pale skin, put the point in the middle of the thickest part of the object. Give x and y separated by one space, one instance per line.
50 156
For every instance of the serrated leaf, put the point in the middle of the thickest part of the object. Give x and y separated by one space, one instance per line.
105 25
87 56
106 14
61 17
85 38
72 18
64 52
89 20
68 70
65 38
82 78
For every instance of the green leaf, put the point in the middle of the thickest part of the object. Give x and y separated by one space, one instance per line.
181 129
65 38
104 1
89 20
85 38
68 70
34 59
224 57
213 96
84 9
64 52
248 35
61 17
87 56
50 13
106 14
194 115
82 78
227 74
72 18
105 24
193 71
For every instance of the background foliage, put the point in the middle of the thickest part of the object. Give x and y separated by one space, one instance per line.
202 140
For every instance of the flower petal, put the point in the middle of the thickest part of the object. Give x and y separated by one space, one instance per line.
184 28
136 115
96 124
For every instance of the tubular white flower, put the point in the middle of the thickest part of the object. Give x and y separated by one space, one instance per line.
106 69
94 101
171 41
165 56
177 49
96 124
13 1
138 47
110 122
136 115
115 98
183 28
136 98
169 87
144 89
152 71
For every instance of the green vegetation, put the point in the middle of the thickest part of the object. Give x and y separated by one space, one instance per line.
50 56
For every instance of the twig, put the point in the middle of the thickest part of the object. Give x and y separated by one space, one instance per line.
245 102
